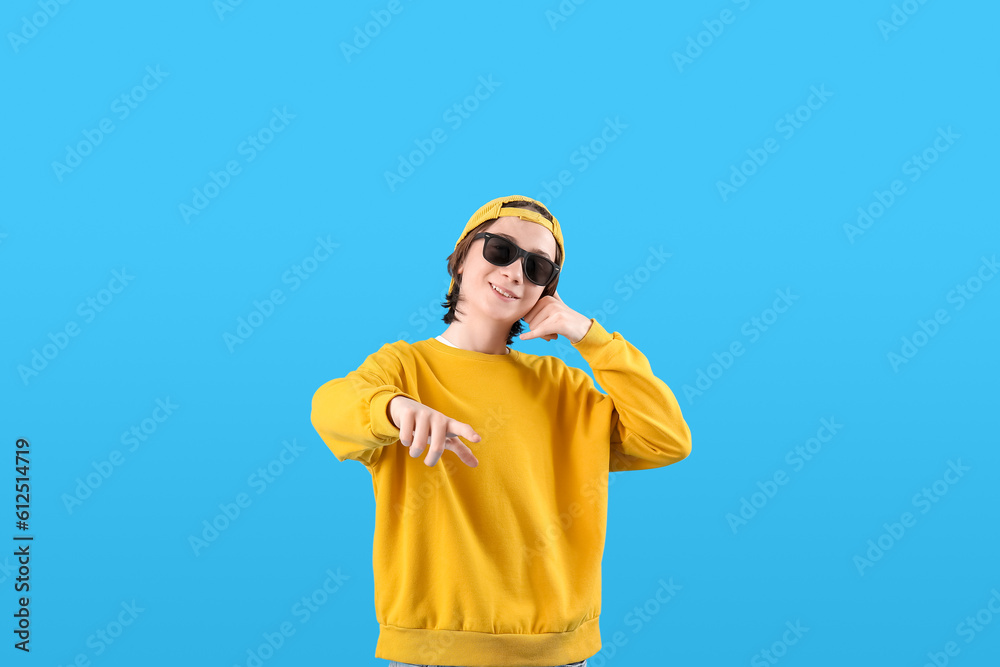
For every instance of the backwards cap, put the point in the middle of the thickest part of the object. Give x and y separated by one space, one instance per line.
497 209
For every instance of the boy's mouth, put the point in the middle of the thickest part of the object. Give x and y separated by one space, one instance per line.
503 294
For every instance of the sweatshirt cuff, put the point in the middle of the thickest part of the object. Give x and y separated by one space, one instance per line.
594 340
382 427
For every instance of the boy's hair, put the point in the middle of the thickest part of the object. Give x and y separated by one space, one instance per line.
462 250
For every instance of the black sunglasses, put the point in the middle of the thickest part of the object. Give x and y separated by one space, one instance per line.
502 252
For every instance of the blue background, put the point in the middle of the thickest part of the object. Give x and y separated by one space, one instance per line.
683 128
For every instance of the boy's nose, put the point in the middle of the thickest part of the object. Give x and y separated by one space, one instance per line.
513 270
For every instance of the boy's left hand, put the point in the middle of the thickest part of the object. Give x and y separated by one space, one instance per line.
551 317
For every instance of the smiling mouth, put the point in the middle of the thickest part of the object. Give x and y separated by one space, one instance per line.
502 294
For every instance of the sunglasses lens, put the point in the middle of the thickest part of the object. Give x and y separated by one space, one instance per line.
498 251
538 270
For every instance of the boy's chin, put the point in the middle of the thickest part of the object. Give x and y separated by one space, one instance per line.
508 321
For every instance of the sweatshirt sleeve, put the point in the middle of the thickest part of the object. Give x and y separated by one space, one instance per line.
351 413
647 427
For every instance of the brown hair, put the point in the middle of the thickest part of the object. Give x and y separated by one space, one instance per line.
458 256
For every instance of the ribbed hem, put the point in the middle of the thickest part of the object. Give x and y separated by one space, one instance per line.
484 649
378 415
594 342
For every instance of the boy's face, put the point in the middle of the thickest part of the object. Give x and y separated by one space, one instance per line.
478 274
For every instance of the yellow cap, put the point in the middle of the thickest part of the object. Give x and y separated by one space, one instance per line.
496 209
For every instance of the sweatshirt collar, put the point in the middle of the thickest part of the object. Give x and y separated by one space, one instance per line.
437 345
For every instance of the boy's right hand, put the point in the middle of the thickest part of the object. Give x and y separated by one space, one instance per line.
420 425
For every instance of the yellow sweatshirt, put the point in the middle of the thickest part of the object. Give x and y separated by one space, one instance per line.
498 564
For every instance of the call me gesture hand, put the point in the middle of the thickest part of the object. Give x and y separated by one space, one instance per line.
551 317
